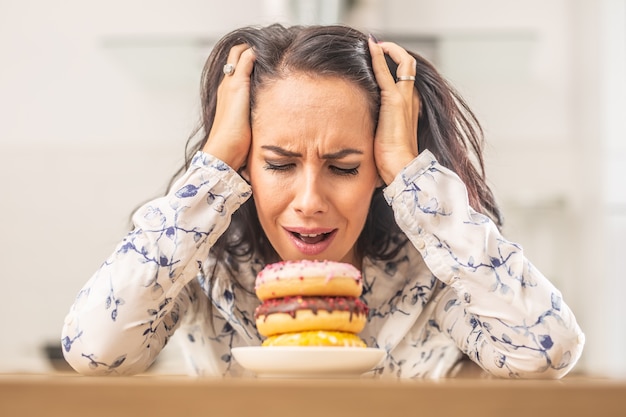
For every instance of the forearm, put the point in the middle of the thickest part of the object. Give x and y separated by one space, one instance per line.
527 332
497 307
126 312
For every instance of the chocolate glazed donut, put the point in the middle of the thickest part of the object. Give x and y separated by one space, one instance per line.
297 314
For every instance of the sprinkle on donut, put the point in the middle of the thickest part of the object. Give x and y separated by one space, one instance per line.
323 278
300 269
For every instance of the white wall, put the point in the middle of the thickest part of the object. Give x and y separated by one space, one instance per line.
88 130
600 97
97 100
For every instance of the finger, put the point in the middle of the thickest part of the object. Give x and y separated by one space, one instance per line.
406 66
242 58
234 55
245 64
416 113
385 80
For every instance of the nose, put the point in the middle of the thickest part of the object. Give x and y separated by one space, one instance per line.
310 195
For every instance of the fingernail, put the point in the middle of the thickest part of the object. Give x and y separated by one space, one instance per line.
373 38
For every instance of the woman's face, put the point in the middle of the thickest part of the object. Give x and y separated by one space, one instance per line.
311 166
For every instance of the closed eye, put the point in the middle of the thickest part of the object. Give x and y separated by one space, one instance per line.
272 166
344 171
278 167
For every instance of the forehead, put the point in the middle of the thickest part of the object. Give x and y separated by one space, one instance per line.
301 106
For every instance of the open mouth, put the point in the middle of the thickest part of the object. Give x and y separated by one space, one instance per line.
311 238
311 241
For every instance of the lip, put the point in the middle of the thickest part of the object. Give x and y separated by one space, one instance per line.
311 249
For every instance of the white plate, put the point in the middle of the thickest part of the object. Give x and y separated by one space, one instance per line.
303 361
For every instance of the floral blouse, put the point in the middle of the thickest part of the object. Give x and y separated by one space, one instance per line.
457 288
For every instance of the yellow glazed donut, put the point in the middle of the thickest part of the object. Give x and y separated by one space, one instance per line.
305 277
315 338
296 314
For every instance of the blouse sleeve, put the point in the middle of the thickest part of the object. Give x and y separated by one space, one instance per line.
124 315
499 309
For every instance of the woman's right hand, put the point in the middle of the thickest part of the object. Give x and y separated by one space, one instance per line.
230 135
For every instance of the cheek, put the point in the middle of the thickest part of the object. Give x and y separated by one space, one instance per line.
374 182
357 202
269 196
358 206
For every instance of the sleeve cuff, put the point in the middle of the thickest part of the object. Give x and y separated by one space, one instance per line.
220 168
416 168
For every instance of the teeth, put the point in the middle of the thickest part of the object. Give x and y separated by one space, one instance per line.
310 234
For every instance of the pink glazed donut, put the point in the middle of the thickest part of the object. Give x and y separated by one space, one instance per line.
308 278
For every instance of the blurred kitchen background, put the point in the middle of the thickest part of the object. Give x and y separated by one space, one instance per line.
97 99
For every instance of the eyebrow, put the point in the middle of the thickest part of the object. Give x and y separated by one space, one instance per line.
334 155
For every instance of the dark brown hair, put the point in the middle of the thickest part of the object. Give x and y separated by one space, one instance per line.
447 127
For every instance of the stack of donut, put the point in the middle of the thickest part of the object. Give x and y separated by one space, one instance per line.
310 303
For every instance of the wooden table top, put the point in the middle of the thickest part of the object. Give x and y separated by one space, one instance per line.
149 395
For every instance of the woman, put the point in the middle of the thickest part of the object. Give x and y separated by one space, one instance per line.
322 143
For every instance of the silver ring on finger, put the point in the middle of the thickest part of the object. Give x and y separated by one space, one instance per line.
229 69
405 78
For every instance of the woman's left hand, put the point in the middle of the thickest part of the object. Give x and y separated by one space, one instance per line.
395 143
